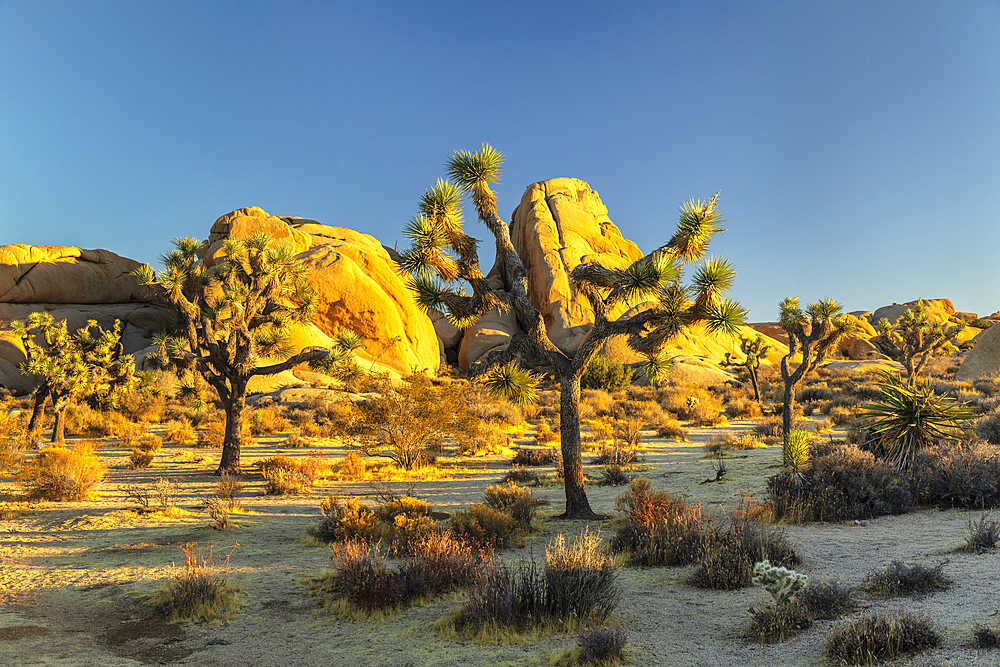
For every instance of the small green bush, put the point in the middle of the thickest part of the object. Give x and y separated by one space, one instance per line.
606 375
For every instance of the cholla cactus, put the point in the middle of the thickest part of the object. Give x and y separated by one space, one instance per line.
780 582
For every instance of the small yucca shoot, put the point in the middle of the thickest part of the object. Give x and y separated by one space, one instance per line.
795 450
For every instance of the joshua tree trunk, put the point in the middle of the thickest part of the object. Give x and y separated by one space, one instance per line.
752 372
38 411
577 505
59 406
230 463
788 404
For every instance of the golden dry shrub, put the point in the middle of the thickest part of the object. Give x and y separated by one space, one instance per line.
180 432
127 433
211 434
353 467
60 473
266 421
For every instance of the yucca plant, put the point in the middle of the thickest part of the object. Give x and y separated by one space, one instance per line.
908 416
795 450
443 262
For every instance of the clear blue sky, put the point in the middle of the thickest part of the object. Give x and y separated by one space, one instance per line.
856 144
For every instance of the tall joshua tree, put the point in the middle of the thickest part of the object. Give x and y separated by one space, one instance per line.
913 340
442 255
232 316
814 333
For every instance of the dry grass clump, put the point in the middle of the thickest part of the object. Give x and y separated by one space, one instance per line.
901 580
883 636
352 467
983 535
286 475
533 457
486 438
578 586
266 421
661 528
60 473
828 599
142 456
201 591
127 433
672 429
742 407
362 584
396 523
180 432
988 427
986 637
521 475
773 623
545 436
488 410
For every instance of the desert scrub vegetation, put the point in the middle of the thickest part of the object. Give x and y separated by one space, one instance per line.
901 580
62 473
693 404
398 523
142 455
882 636
829 599
577 587
957 474
405 423
845 484
504 516
660 528
286 475
601 647
201 591
362 584
909 416
606 375
982 535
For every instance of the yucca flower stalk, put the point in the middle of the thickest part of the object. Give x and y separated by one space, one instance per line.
443 264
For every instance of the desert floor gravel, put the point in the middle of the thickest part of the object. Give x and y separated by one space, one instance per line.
74 576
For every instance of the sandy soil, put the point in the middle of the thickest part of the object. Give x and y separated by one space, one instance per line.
73 575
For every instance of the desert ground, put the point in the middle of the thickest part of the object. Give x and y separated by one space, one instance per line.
76 576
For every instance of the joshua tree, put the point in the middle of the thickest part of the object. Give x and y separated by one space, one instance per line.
814 333
232 316
442 250
913 340
70 366
753 351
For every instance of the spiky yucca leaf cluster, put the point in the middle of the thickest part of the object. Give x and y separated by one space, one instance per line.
909 416
512 382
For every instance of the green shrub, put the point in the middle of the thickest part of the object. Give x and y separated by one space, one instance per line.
884 636
606 375
980 323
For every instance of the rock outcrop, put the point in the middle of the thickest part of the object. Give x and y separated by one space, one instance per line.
356 283
75 285
984 358
559 224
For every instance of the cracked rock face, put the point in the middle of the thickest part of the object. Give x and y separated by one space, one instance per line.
559 224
